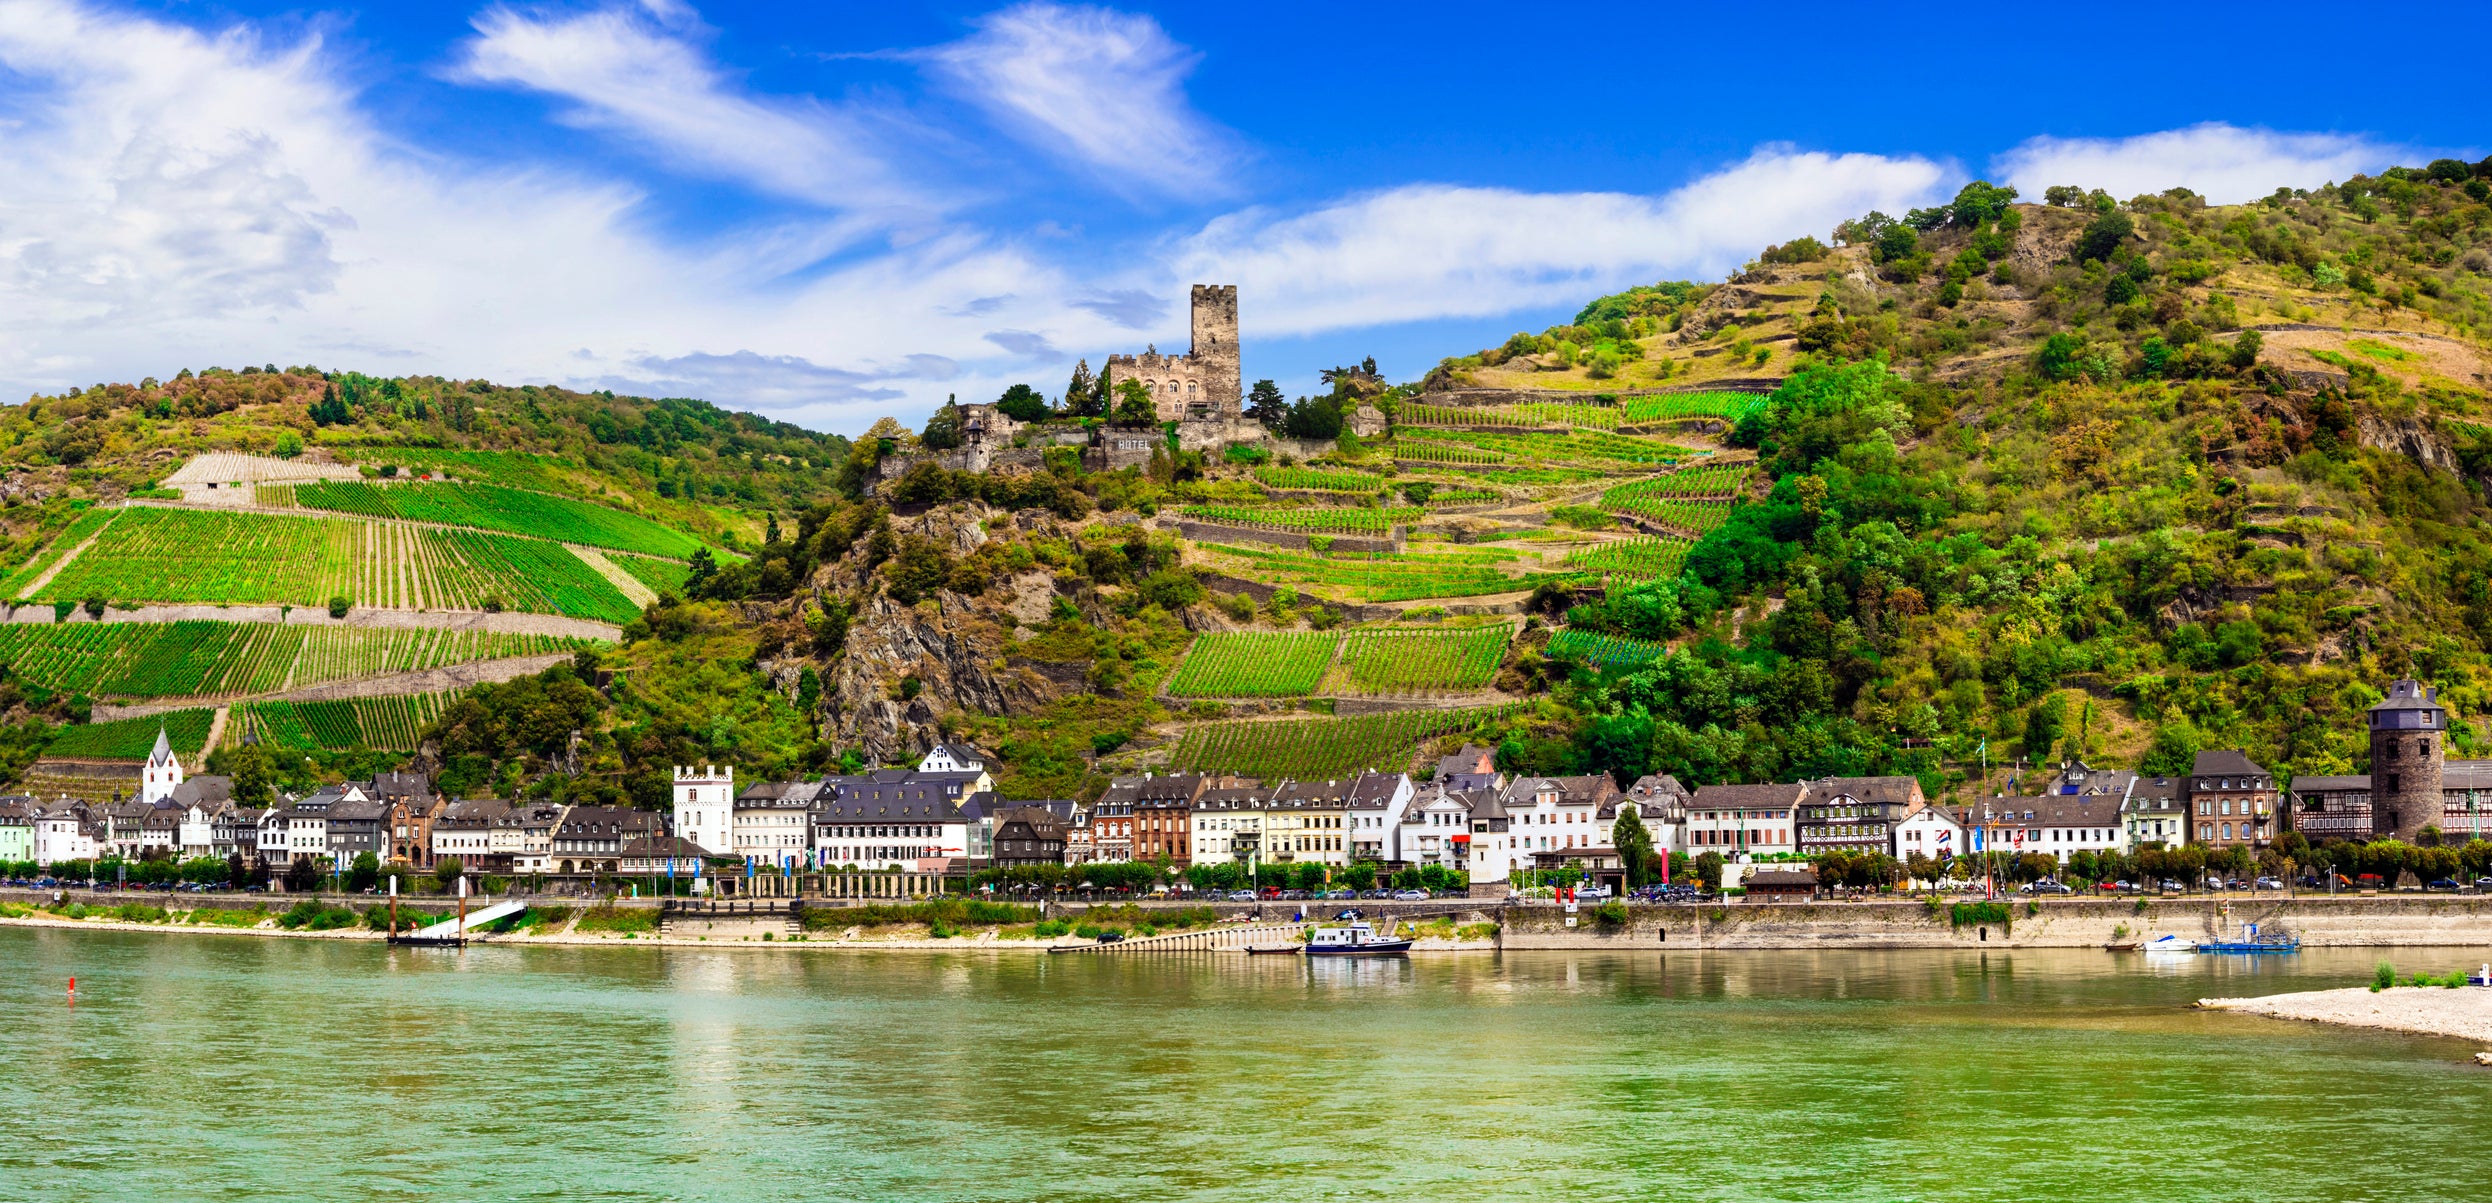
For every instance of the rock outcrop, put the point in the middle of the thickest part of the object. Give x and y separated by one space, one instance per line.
958 659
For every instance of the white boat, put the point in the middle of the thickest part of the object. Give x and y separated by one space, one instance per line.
2168 944
1353 940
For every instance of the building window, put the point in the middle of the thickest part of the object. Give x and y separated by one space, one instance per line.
2422 747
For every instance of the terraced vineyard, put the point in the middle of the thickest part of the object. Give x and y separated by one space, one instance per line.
169 555
1724 406
134 738
488 507
662 576
1318 747
1357 520
1533 415
1605 651
1258 664
1591 448
1694 501
1650 557
1404 661
385 724
1381 577
79 529
203 659
1319 479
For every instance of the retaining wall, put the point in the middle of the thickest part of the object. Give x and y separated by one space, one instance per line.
2081 923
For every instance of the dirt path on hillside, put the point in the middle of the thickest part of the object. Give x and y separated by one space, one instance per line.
216 725
428 680
640 594
74 553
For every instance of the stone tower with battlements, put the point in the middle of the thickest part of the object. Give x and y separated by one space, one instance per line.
1206 381
2409 734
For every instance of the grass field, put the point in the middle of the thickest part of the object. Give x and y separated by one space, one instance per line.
489 507
384 724
1405 661
168 555
184 659
1262 664
134 738
1317 747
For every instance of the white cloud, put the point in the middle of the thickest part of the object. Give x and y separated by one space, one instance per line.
2226 164
1436 251
179 199
1102 88
627 77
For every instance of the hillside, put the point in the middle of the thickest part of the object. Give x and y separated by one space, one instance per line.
1997 480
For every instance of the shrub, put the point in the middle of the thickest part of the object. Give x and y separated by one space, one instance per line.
1049 929
1610 915
313 915
1965 914
612 918
2383 975
338 606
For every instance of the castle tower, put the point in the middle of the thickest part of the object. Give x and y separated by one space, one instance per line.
1215 348
163 772
2408 733
705 807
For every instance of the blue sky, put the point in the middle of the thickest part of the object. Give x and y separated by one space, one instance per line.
829 213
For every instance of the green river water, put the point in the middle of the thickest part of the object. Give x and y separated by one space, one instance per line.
230 1067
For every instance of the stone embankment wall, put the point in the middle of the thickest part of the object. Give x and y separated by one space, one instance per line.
2076 923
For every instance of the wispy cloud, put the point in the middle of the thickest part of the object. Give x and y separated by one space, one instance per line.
2224 163
1437 251
1101 88
638 77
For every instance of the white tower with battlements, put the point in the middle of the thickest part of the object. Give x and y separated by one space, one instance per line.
163 772
705 807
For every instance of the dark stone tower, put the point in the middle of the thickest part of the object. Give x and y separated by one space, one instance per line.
2409 732
1215 348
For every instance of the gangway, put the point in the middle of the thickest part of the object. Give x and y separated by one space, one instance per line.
453 931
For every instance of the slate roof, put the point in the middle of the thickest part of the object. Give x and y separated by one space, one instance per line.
1766 796
2224 762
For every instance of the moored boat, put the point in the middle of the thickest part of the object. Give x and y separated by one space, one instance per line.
1352 940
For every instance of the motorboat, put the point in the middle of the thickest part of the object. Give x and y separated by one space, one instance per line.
2169 944
1354 940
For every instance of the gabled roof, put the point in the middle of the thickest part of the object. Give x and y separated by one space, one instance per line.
2052 810
207 790
778 794
1376 789
1881 791
896 804
1767 796
2224 762
607 820
2409 695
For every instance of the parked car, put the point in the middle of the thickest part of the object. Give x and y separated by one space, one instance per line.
1295 895
1111 936
2270 883
2048 887
1241 895
1410 895
2483 883
2173 887
1599 891
1339 894
2441 883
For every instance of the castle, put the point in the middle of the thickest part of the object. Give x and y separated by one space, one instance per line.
1206 381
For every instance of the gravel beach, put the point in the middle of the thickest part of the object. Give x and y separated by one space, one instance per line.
2424 1010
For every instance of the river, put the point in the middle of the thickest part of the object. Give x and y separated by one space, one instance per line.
234 1067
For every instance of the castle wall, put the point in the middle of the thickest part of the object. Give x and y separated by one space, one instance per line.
1203 383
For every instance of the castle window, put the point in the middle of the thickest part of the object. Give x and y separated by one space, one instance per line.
2422 747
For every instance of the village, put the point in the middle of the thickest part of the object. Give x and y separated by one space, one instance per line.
1458 828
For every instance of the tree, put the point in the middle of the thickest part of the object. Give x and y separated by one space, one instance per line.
1021 403
329 410
446 873
703 567
1313 418
365 873
1896 242
2064 196
2245 348
2104 235
1265 404
1634 844
943 430
1133 402
1083 397
248 765
302 874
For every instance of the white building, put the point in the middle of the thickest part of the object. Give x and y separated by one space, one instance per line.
1437 828
2055 826
1228 824
956 758
1551 814
1732 819
774 822
1377 802
1930 831
60 833
162 774
705 807
918 821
